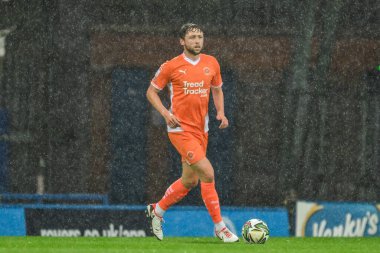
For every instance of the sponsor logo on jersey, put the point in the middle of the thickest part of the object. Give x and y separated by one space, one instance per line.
194 88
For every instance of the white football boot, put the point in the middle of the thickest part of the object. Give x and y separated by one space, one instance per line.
226 235
156 222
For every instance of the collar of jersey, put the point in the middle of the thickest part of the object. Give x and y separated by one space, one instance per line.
190 60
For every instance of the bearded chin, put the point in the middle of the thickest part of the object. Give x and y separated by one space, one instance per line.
192 51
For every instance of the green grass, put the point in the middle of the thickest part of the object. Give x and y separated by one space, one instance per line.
185 245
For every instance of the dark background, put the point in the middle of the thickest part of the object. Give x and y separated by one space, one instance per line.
300 82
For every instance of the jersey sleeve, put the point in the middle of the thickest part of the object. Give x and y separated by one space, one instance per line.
217 79
162 77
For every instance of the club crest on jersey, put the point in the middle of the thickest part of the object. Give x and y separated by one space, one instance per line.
206 70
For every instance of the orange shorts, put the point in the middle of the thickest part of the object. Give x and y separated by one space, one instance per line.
191 146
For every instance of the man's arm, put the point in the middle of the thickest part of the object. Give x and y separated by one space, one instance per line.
217 95
155 100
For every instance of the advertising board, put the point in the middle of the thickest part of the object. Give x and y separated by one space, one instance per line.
335 219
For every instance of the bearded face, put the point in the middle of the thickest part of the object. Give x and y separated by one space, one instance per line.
193 42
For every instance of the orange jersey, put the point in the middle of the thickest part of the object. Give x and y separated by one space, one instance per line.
189 84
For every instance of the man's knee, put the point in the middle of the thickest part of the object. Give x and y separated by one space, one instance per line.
208 177
190 183
205 170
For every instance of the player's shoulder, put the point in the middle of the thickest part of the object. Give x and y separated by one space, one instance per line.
210 58
172 62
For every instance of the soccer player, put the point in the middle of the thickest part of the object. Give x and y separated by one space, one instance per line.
190 77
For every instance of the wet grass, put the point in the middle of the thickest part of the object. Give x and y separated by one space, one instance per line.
185 245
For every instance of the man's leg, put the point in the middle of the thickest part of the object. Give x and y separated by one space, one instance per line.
176 191
210 197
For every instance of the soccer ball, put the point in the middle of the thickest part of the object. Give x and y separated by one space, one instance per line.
255 231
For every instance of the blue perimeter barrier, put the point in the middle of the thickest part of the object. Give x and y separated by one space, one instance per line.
12 221
39 198
127 220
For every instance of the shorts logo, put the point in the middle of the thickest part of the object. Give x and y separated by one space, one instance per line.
206 70
190 155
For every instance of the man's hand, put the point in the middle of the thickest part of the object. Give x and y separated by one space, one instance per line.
171 120
223 119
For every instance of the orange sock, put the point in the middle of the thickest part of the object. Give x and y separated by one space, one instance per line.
173 194
211 200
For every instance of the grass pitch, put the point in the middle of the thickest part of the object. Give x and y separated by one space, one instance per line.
185 245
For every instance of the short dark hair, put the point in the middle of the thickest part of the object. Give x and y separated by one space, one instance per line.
187 28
